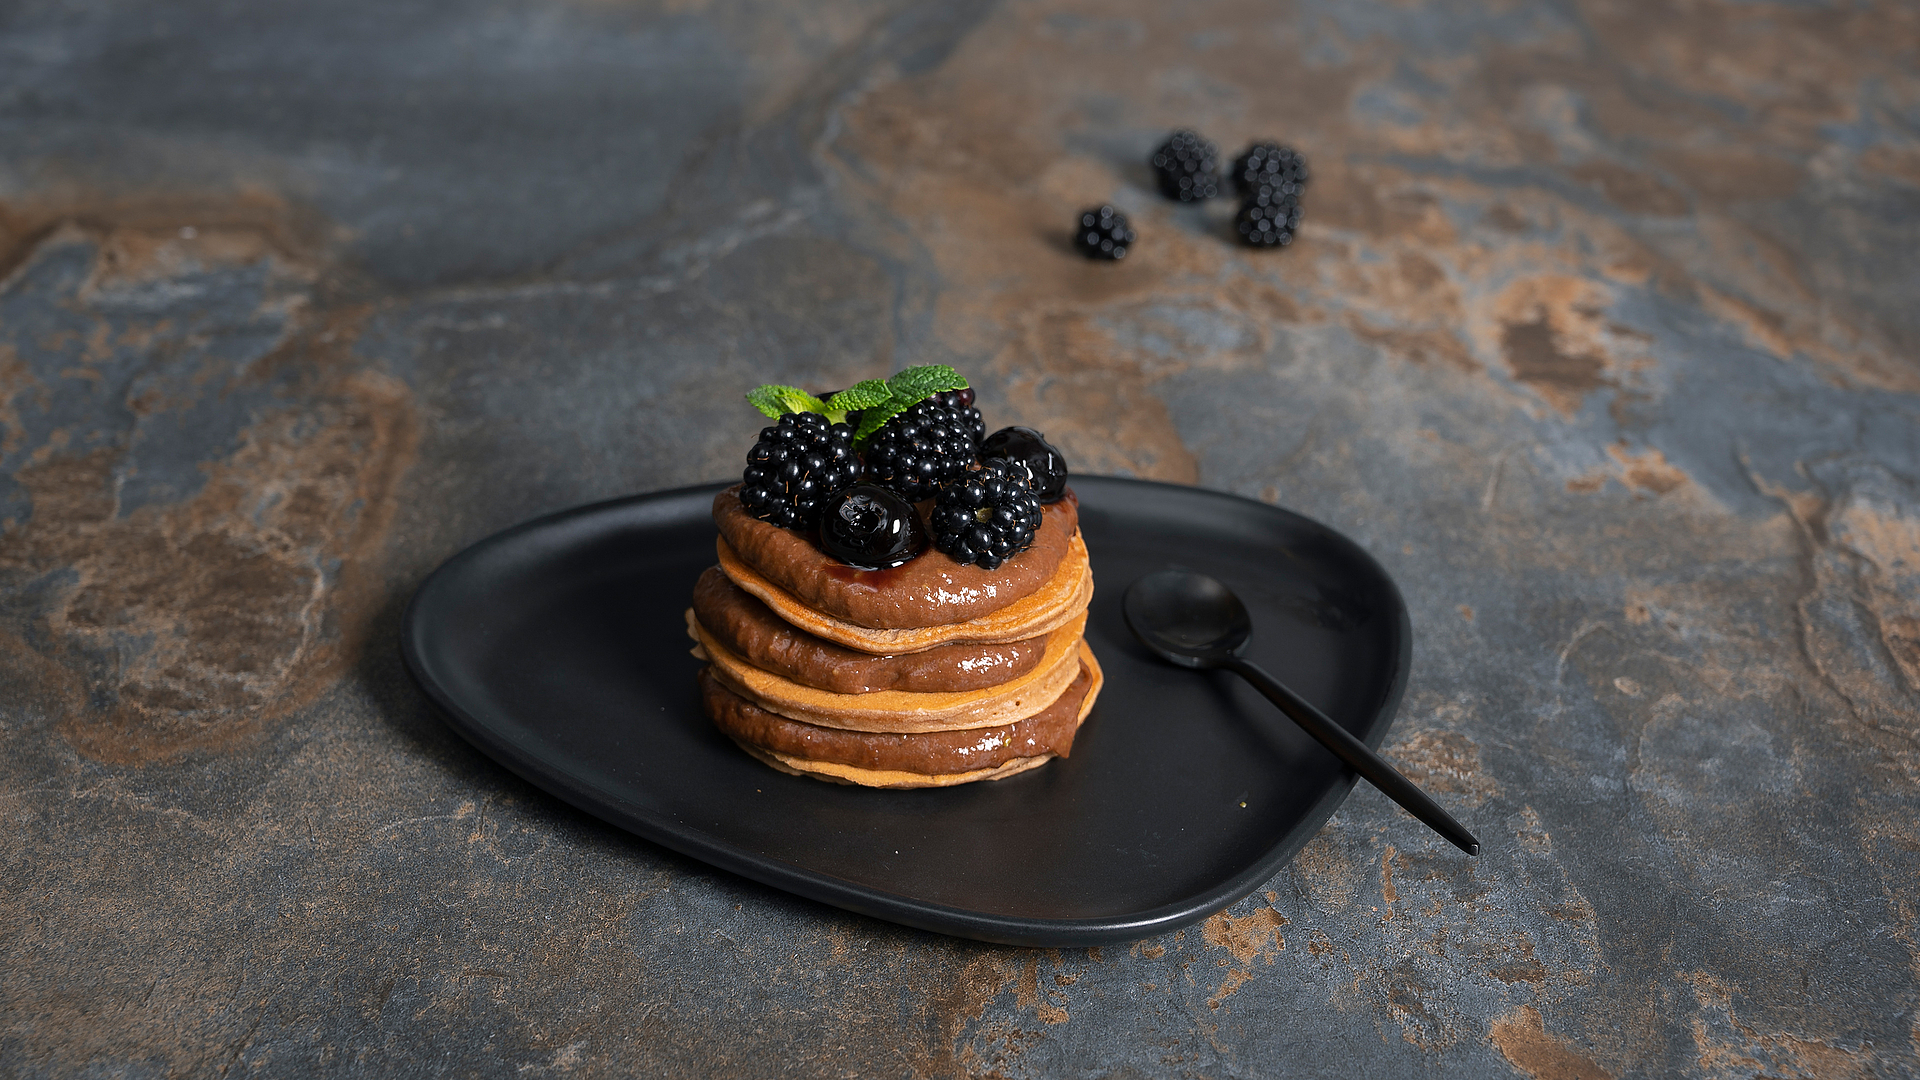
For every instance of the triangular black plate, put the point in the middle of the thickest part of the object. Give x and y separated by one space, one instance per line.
559 649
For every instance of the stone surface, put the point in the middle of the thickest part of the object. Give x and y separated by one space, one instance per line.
1600 334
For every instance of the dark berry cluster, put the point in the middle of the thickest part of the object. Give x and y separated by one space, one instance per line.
987 516
1267 224
1270 179
962 399
922 448
1280 168
1103 233
794 466
854 486
1187 167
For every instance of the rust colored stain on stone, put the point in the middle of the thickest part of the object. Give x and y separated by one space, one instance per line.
1447 762
1523 1040
1648 470
1535 358
1632 190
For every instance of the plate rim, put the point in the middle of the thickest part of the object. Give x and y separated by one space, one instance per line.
875 903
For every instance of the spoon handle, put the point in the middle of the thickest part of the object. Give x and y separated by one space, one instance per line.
1355 753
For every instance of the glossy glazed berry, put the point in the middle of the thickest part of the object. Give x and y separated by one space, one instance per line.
869 527
1187 167
794 466
922 448
1103 233
1270 165
1261 224
987 516
1028 449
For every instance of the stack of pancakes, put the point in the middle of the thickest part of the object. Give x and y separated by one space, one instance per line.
926 675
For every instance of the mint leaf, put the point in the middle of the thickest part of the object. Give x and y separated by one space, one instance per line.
916 384
777 401
905 390
861 395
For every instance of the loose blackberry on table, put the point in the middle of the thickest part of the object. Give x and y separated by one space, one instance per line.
1265 163
1103 233
1187 167
987 516
794 466
1027 448
922 448
869 527
1267 224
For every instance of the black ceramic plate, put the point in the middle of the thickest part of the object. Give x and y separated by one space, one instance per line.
558 648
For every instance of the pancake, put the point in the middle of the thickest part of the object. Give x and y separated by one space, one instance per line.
878 778
840 773
1049 731
902 711
739 621
1063 597
930 590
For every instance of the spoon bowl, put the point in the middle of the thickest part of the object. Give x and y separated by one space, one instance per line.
1187 618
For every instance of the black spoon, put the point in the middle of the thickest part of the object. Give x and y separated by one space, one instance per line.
1194 621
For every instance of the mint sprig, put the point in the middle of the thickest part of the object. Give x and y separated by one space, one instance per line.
876 400
905 390
861 395
777 401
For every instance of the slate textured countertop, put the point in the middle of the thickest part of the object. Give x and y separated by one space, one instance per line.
1601 335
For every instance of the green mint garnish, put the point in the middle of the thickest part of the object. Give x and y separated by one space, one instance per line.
861 395
777 401
905 390
916 384
876 400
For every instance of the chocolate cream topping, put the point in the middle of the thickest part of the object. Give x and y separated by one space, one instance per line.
1050 731
739 621
931 590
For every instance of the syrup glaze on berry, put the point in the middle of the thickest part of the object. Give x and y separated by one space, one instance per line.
1029 449
870 528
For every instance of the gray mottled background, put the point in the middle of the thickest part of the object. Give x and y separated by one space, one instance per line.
1601 335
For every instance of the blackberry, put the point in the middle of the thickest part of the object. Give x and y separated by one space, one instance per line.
962 399
869 527
922 448
1264 224
1188 167
1103 233
988 515
1281 168
794 466
1028 449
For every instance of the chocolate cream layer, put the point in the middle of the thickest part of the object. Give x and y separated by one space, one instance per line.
743 624
931 590
1050 731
